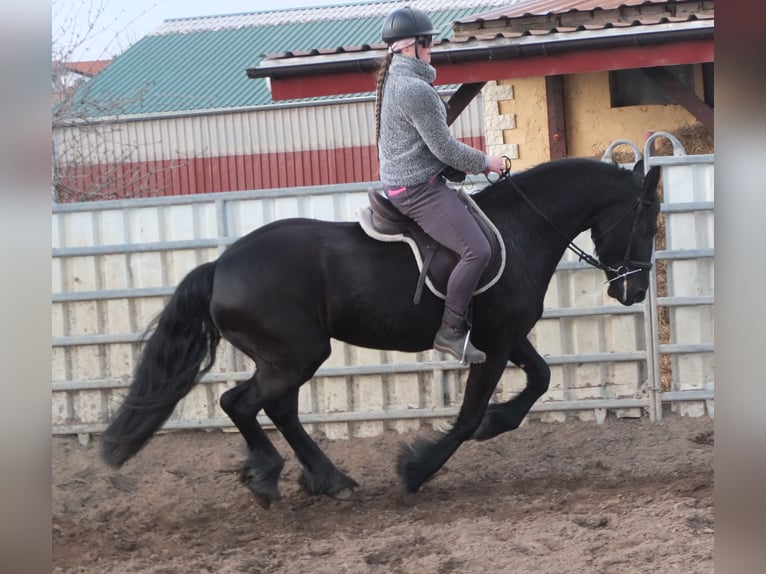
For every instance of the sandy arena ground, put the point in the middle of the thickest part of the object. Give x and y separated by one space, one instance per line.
628 496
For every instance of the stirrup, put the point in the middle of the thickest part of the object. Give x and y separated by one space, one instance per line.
465 346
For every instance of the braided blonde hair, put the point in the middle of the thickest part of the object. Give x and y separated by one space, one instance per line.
382 73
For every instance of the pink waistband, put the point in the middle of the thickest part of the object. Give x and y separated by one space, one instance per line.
398 190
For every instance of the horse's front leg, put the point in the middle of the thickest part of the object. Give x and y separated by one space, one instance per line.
419 461
319 476
507 416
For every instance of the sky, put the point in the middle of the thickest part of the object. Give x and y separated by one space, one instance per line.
102 29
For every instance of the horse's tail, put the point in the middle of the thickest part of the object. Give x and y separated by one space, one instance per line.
172 362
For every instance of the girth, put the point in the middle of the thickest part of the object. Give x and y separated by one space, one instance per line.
382 221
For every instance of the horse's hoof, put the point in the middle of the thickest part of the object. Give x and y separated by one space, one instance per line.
344 494
481 434
334 484
264 499
264 492
405 497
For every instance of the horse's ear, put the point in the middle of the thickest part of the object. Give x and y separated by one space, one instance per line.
638 168
651 180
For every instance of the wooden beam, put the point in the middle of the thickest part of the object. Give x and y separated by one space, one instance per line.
557 125
594 60
321 85
460 100
585 61
682 94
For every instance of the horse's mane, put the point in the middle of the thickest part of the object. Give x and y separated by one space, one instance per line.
549 177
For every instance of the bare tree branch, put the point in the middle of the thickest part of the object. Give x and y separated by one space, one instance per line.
93 155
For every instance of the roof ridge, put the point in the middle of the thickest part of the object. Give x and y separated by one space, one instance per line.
360 9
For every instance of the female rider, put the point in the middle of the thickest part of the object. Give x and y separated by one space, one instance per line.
415 146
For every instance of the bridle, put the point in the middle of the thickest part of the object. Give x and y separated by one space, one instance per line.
628 265
624 269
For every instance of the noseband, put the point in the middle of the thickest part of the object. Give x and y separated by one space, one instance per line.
624 269
627 266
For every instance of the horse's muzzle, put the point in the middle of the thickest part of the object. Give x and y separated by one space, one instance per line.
626 292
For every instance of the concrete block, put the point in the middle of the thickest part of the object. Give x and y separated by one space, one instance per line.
86 362
367 393
332 395
113 271
178 222
61 413
88 406
143 225
59 364
553 417
365 429
111 228
146 270
335 431
494 92
630 413
511 150
119 361
195 405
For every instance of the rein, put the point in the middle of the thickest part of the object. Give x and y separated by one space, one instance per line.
622 270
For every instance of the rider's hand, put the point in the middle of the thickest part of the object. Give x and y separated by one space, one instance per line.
498 164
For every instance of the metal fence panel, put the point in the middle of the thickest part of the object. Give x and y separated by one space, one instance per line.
688 202
115 263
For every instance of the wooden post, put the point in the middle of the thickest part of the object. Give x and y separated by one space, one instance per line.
557 128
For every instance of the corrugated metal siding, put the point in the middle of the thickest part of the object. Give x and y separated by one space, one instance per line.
200 64
285 147
224 134
231 173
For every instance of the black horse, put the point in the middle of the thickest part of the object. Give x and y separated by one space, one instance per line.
280 293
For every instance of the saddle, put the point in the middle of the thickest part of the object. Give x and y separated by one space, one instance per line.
382 221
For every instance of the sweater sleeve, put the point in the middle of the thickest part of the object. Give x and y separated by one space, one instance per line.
429 116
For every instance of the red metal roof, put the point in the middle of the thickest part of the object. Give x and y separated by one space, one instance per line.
543 7
549 16
86 68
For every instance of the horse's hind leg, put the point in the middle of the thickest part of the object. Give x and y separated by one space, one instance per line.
271 384
507 416
261 472
319 476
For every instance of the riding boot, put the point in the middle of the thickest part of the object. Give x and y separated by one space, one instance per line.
453 337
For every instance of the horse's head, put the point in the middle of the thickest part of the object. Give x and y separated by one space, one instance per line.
625 240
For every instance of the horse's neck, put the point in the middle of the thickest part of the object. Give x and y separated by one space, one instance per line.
575 207
569 207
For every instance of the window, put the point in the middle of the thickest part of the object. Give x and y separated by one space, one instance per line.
635 88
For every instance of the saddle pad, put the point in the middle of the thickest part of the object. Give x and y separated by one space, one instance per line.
364 216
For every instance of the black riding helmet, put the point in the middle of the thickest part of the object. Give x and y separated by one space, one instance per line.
407 23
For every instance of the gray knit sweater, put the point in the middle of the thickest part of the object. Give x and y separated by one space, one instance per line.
415 141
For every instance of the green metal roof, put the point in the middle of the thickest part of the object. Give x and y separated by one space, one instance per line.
199 64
